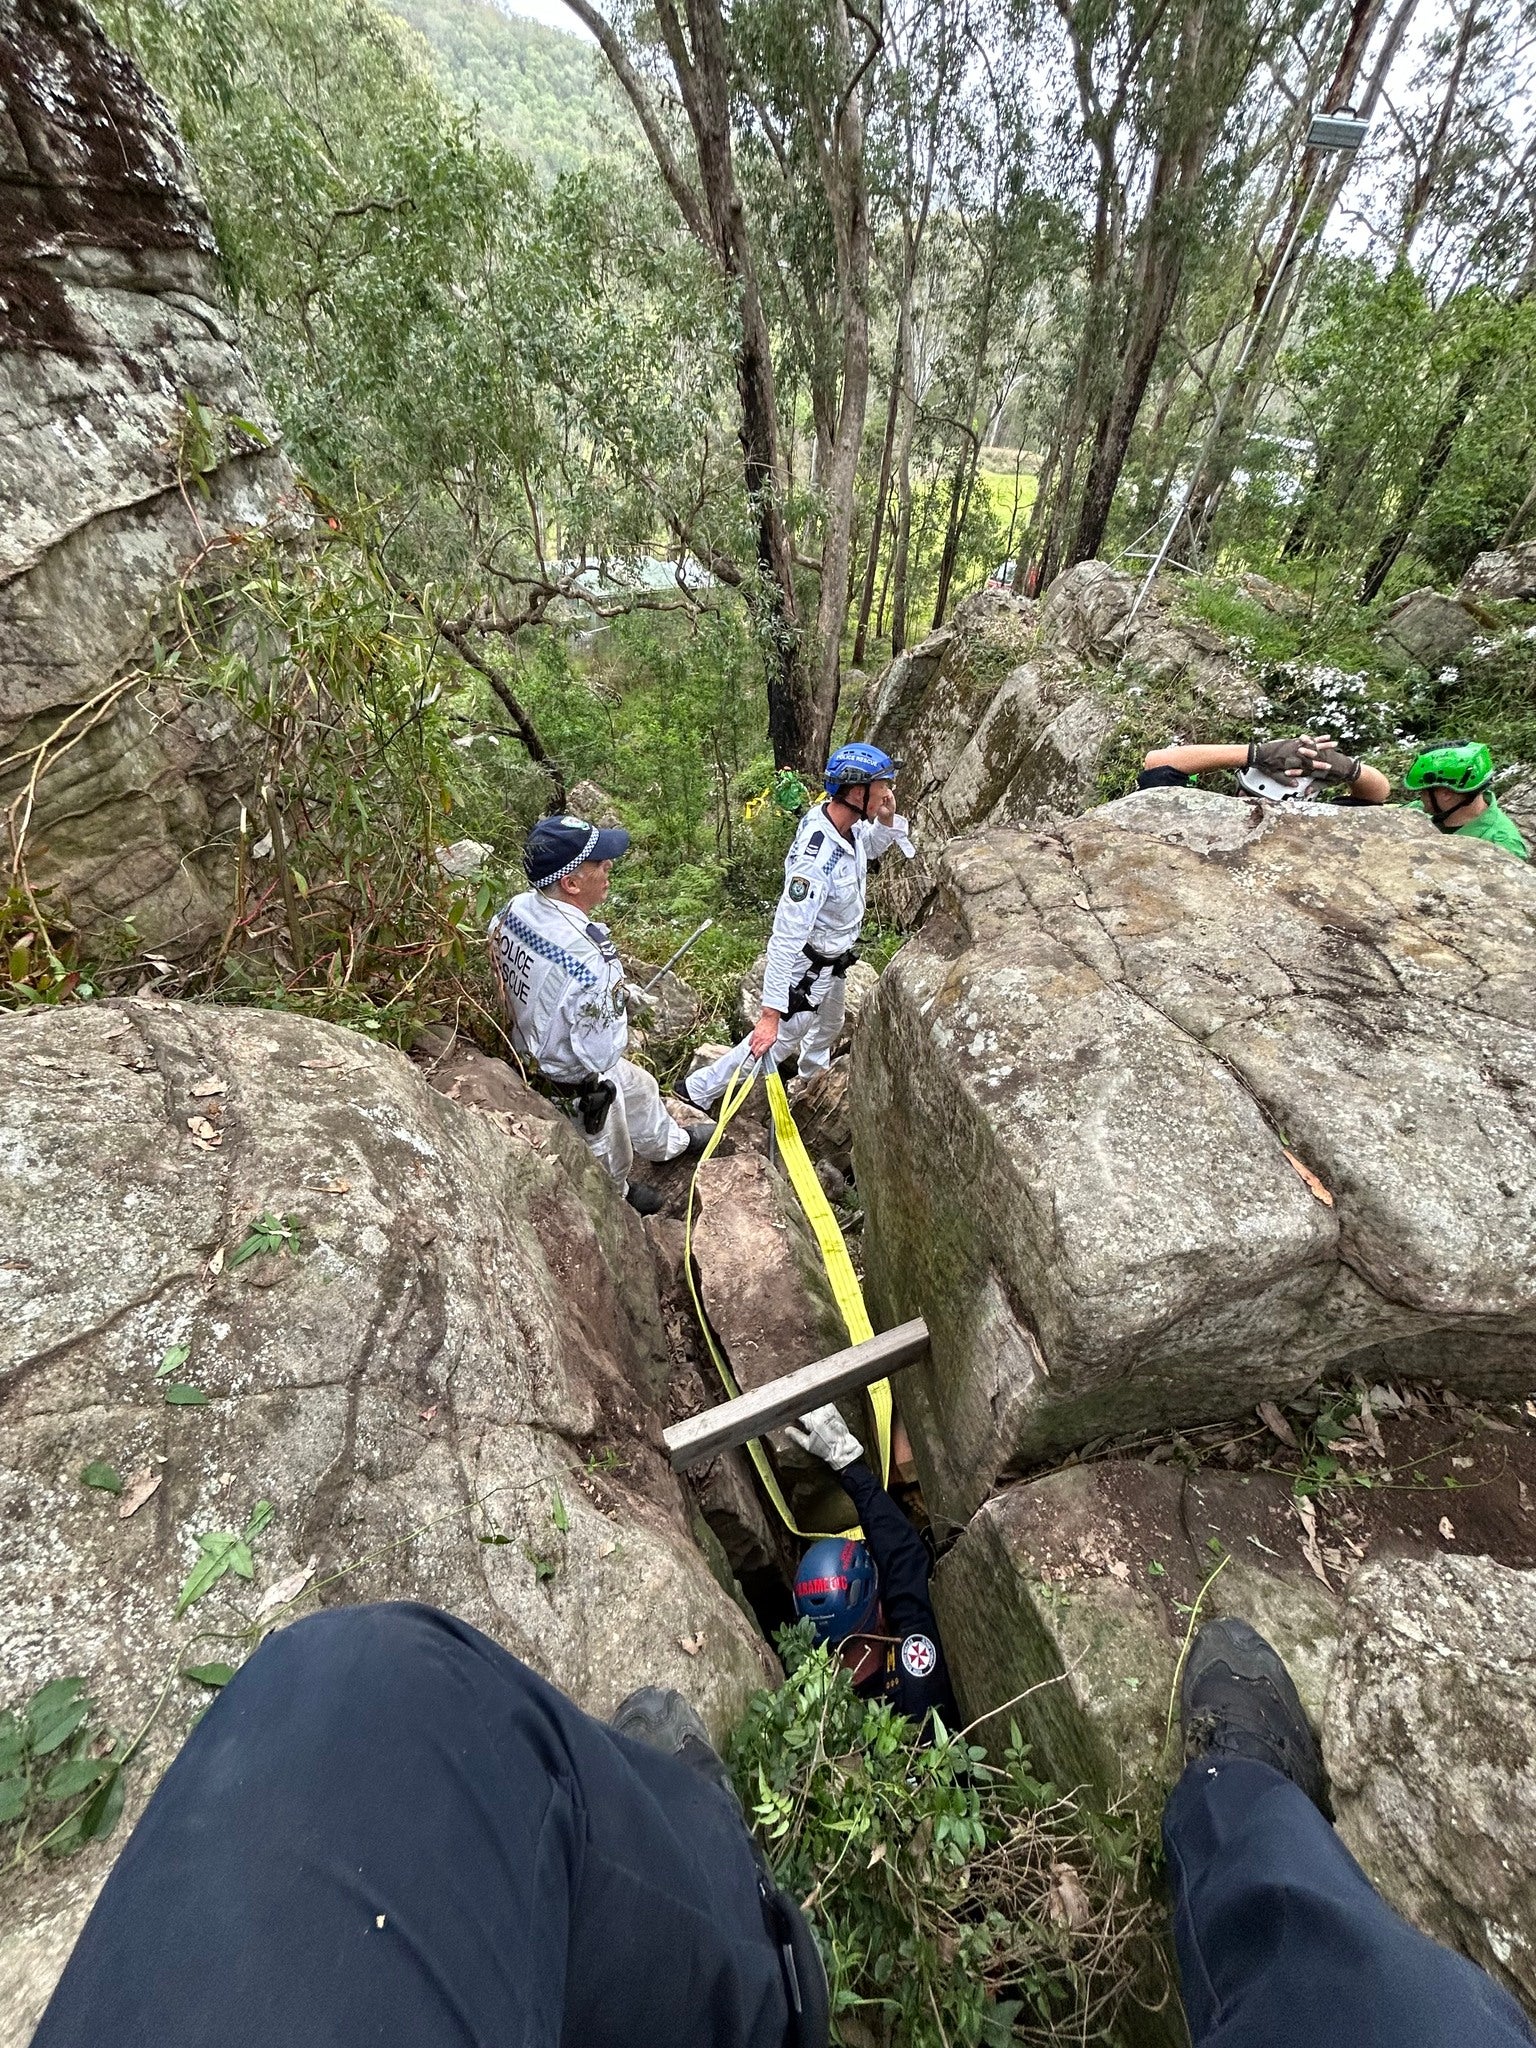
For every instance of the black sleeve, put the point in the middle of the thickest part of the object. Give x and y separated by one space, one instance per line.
1164 778
902 1562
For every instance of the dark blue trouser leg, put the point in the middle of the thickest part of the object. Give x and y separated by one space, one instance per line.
388 1833
1284 1942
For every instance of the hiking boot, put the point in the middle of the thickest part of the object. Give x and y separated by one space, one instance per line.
1236 1699
699 1136
643 1200
662 1719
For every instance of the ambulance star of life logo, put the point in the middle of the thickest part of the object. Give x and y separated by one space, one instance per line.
918 1656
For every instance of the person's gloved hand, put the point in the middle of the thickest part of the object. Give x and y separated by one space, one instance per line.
825 1434
1328 762
1283 759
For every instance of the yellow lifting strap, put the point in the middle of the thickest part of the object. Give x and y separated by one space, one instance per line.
834 1256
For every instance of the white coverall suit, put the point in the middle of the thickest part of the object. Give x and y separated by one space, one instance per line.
564 986
822 907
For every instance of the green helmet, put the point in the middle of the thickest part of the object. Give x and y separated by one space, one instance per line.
1463 765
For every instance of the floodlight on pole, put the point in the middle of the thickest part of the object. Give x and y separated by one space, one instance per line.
1338 134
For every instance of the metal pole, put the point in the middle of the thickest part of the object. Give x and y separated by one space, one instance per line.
691 939
1281 268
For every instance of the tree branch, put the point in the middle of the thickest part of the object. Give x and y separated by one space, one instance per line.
677 184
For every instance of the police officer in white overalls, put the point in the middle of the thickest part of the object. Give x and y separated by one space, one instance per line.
563 985
816 927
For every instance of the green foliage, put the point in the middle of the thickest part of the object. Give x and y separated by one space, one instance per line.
60 1772
37 953
267 1236
539 91
956 1900
220 1552
104 1477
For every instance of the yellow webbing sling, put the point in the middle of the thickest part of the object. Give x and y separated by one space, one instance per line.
834 1255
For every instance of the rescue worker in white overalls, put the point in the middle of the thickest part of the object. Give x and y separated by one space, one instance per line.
816 927
563 984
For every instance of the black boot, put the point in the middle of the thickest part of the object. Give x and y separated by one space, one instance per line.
643 1200
1236 1699
662 1719
699 1136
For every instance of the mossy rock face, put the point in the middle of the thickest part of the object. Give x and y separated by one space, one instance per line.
114 490
1076 1591
1097 1123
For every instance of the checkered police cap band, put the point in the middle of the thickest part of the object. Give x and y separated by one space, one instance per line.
559 874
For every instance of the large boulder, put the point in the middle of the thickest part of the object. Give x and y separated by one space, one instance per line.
449 1385
1171 1108
1425 629
1430 1743
1501 574
1007 716
112 488
1066 1599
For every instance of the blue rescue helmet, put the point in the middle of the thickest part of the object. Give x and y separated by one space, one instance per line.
836 1588
558 846
857 764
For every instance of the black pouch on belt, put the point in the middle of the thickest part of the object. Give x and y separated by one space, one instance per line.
818 963
594 1103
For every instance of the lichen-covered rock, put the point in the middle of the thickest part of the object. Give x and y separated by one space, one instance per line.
1064 1604
450 1387
1166 1110
1501 574
110 489
1430 1743
1004 717
1425 629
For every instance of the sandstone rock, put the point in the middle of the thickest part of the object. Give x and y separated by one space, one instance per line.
766 1294
1275 597
1501 574
587 800
1430 1741
1074 1094
1065 1603
1005 717
110 310
670 1010
822 1115
467 1335
1425 628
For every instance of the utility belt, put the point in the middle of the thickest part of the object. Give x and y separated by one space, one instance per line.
588 1100
800 994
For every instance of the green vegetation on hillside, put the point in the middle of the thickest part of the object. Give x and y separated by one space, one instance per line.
540 92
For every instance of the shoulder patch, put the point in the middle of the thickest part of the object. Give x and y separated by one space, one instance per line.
799 889
814 844
919 1657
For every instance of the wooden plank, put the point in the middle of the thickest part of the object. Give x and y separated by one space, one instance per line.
765 1407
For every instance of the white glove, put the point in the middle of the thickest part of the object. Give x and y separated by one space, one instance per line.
825 1434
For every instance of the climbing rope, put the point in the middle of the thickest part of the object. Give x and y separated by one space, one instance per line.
844 1282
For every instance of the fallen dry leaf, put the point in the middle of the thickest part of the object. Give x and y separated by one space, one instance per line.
209 1085
1447 1529
1277 1425
284 1590
216 1263
200 1127
427 1414
691 1644
1067 1902
1370 1428
876 1855
1314 1185
137 1491
1306 1514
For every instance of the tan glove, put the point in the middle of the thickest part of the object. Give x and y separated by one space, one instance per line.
825 1435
